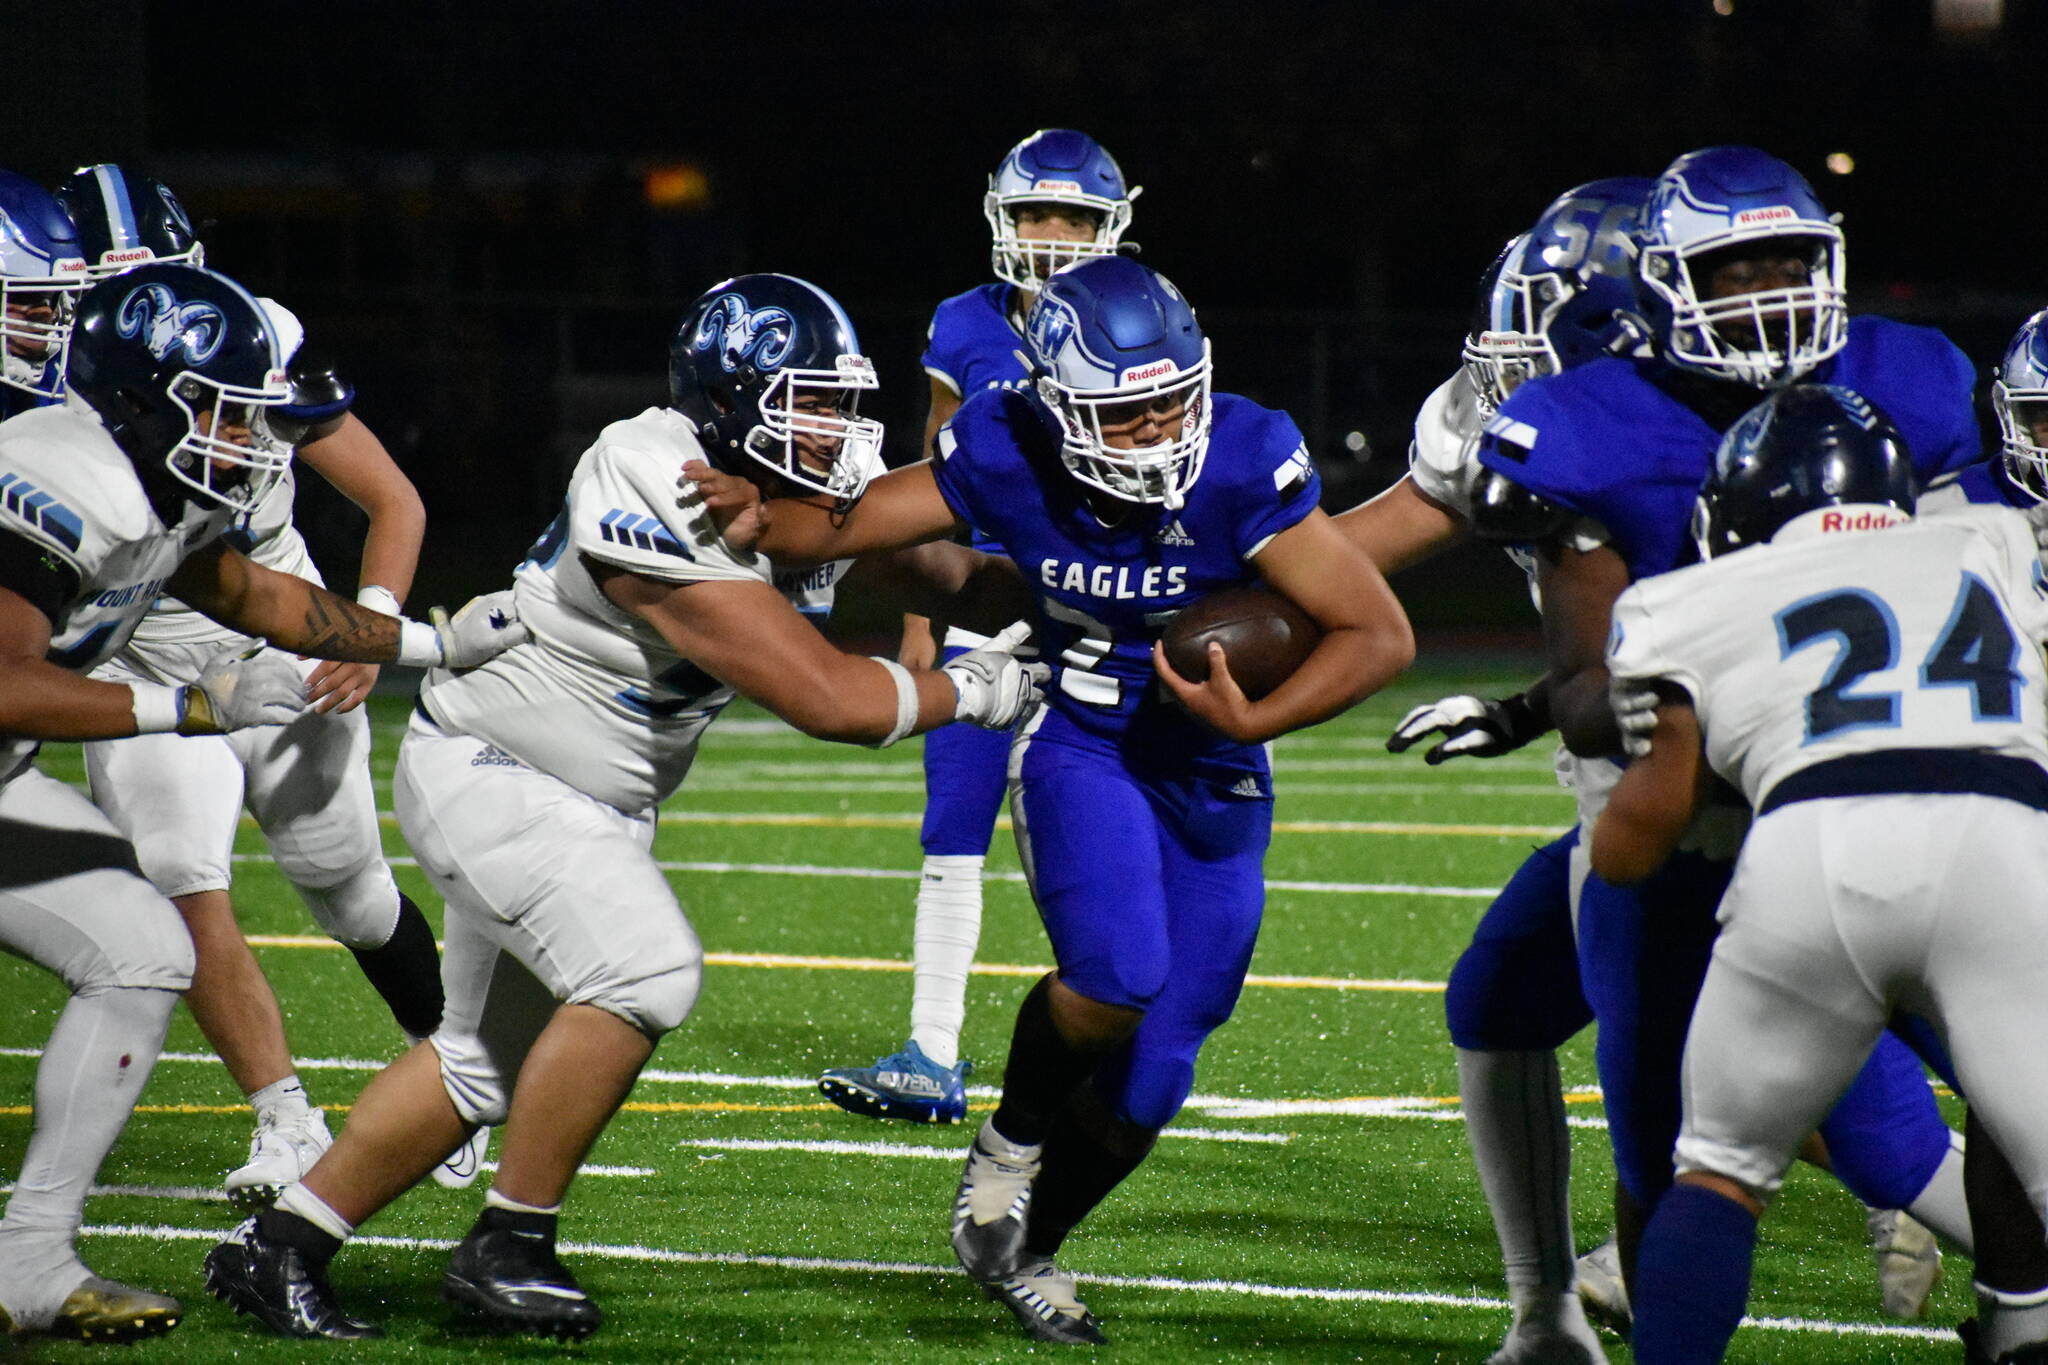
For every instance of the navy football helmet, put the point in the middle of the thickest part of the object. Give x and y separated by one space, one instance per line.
2019 396
1115 342
177 361
1803 449
1054 166
42 272
770 371
1722 202
126 219
1565 291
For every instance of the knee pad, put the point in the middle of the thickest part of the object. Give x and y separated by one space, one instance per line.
653 1004
1153 1090
360 910
479 1091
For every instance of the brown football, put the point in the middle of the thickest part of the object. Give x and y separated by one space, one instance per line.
1265 637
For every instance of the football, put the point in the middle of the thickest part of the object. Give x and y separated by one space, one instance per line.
1265 637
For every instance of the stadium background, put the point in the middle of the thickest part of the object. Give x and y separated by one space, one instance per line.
494 214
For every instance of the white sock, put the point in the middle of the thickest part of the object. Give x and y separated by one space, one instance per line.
94 1066
1514 1118
1941 1206
948 931
2010 1321
493 1199
315 1210
281 1101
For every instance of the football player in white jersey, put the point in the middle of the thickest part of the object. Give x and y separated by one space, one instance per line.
1874 686
118 494
529 787
177 798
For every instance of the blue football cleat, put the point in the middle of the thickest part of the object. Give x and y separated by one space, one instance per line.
903 1085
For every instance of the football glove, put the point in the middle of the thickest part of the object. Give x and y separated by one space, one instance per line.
1635 704
241 687
995 686
486 627
1472 727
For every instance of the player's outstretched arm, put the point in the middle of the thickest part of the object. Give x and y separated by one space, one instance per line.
948 582
42 701
1366 638
1654 801
349 456
1401 526
903 507
308 619
747 635
1578 589
1475 727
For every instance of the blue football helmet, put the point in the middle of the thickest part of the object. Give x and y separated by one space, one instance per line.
1565 291
1056 166
42 273
2019 396
1730 200
126 219
176 360
1804 449
1114 341
770 371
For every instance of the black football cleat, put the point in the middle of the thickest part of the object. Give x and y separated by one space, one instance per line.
281 1287
512 1276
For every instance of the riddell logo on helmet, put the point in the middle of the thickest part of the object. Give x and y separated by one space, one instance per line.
1153 371
1057 186
1777 214
133 255
1865 519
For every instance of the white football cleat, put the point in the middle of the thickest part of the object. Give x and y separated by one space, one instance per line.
993 1204
1550 1329
459 1171
1908 1262
1603 1292
279 1155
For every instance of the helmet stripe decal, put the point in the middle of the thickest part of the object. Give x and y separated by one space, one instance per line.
120 213
838 313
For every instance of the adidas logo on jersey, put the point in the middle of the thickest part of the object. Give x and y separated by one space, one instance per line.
1247 786
1174 534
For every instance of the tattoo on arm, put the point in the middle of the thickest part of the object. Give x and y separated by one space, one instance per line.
336 628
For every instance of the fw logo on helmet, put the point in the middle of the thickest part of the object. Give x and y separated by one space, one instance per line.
194 330
1053 324
742 336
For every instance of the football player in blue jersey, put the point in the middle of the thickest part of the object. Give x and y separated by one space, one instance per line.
1557 297
1124 489
42 272
1740 274
1058 197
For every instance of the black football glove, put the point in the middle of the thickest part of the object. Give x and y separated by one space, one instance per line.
1471 727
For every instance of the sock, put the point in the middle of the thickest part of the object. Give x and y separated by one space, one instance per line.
94 1066
406 971
1942 1207
943 943
493 1199
1692 1277
1514 1119
1042 1071
2012 1251
281 1101
2007 1321
1088 1152
302 1219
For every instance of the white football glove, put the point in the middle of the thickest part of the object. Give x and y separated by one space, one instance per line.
486 627
1635 704
1472 727
995 686
241 687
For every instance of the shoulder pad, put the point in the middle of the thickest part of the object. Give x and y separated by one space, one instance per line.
1505 513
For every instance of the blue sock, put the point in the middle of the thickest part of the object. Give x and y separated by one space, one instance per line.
1692 1277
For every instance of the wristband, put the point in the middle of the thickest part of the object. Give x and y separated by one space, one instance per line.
159 710
379 599
419 645
906 703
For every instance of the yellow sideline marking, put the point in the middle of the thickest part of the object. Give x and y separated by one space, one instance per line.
890 964
793 820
